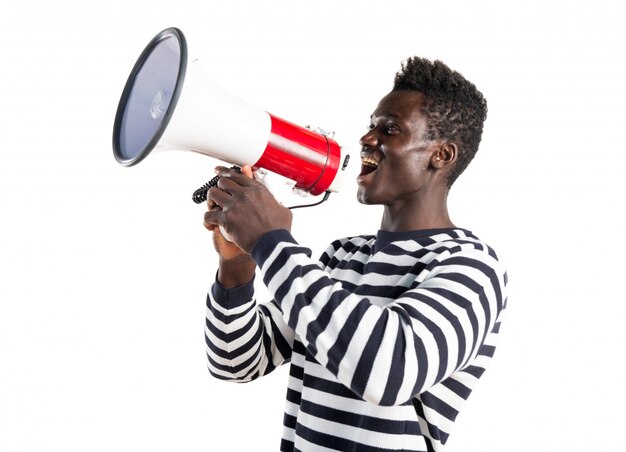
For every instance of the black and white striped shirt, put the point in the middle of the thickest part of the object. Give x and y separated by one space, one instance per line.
387 335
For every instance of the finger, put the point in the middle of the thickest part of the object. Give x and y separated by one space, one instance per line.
218 197
235 174
228 185
209 226
247 170
212 219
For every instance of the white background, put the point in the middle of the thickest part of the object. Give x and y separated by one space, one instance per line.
104 269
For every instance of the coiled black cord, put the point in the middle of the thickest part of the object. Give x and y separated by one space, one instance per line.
200 195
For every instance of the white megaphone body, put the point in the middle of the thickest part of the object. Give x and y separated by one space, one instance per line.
168 103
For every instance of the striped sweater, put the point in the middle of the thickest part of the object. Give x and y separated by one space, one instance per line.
387 335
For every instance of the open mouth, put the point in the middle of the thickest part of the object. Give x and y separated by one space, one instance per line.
368 165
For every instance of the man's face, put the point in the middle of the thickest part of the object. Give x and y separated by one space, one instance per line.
395 156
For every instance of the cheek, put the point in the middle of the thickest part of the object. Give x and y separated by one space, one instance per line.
409 174
407 170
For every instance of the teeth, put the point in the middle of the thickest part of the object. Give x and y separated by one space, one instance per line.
369 161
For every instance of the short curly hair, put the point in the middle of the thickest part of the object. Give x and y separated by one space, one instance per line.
455 109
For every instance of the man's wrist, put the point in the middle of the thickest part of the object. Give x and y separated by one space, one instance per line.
236 272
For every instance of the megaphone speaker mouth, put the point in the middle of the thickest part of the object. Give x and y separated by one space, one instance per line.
150 96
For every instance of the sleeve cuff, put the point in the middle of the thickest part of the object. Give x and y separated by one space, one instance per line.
263 247
233 297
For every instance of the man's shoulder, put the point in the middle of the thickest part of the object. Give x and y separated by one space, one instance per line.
340 248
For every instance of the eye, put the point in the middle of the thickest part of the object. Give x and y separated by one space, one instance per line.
391 128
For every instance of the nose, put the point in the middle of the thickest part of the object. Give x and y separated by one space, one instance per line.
369 139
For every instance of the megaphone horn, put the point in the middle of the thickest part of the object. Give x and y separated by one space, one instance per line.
168 103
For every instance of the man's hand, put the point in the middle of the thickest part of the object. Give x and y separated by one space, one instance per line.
227 250
236 267
244 208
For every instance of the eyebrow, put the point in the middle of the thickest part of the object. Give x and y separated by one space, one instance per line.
389 115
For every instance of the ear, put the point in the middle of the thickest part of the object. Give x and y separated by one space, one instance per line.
445 155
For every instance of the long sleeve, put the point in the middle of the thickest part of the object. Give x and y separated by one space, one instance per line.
387 354
244 340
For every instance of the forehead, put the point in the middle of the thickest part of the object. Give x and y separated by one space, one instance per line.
404 105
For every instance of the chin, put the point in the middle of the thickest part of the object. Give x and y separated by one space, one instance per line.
364 198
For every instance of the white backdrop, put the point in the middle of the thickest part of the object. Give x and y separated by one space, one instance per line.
104 269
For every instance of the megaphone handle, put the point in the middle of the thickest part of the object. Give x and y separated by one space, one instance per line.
200 195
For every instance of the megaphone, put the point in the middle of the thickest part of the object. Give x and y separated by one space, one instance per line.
169 104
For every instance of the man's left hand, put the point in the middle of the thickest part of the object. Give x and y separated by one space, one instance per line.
247 210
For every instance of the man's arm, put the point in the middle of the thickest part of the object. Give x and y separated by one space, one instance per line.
390 354
244 341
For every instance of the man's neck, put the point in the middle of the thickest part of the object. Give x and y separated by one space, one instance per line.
416 216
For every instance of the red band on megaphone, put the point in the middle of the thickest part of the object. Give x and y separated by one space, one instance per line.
309 158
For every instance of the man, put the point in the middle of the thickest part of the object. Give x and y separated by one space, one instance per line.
386 334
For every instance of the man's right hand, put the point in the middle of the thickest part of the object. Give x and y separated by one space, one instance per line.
236 267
